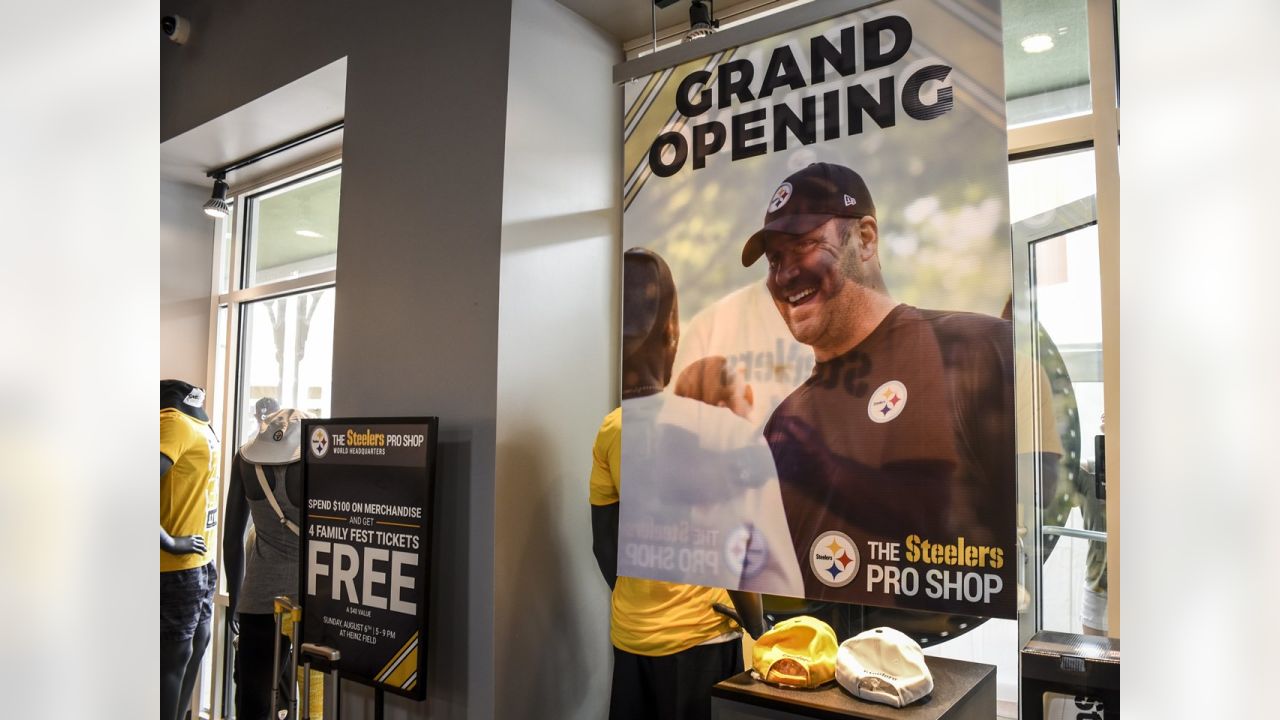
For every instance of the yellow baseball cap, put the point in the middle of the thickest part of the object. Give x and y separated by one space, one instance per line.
799 652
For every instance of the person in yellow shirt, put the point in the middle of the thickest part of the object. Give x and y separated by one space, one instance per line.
189 453
672 642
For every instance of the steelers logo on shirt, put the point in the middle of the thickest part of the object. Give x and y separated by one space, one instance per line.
745 551
833 559
319 442
887 402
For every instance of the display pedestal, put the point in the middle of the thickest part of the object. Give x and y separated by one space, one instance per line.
1070 664
961 691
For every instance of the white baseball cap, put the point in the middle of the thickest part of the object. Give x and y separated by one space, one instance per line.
884 666
280 442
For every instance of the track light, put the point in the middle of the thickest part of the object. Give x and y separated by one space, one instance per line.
217 207
701 24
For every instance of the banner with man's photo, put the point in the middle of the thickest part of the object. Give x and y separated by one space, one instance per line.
817 378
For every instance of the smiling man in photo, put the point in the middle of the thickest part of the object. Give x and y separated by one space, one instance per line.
906 424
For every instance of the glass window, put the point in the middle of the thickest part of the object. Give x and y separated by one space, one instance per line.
293 229
1068 311
273 339
286 357
1046 59
1041 184
227 226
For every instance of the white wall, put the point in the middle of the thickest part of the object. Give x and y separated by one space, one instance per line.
186 267
557 362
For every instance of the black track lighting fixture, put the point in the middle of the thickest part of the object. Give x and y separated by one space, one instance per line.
701 20
217 207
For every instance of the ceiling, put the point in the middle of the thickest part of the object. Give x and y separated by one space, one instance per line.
1065 65
293 109
306 104
627 20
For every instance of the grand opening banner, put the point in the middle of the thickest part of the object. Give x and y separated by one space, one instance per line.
817 382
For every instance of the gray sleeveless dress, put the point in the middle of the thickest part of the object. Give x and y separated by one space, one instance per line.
271 554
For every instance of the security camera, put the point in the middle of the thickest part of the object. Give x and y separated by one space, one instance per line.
176 28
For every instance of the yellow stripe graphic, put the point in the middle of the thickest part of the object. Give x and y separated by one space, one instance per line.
640 98
405 671
409 649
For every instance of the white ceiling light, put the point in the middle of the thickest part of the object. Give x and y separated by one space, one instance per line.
1037 43
308 233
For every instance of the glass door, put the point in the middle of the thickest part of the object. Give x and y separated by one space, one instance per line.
1058 337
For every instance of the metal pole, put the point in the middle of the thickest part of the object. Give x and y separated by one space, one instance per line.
377 703
328 654
281 605
1094 535
336 699
305 704
296 613
275 669
653 13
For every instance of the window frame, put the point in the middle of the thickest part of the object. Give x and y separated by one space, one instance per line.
1097 129
224 376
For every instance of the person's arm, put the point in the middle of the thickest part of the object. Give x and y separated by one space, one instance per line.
604 495
234 521
604 540
190 545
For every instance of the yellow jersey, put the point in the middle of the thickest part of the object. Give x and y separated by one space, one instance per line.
189 490
650 617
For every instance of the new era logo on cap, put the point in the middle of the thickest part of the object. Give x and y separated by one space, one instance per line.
806 200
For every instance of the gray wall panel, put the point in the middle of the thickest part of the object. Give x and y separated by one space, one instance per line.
416 319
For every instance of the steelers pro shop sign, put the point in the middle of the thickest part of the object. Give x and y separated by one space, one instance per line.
366 532
832 205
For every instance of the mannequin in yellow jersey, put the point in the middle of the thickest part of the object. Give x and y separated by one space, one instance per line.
189 453
671 642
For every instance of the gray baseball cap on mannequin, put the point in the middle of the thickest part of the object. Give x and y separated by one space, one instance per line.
280 442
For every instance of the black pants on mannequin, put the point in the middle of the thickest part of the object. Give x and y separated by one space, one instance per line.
255 659
186 613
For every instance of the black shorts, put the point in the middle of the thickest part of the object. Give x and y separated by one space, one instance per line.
186 600
671 687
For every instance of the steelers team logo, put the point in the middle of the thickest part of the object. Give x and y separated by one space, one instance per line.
887 402
319 442
833 558
745 551
780 197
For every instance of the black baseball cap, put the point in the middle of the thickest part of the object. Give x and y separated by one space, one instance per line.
808 198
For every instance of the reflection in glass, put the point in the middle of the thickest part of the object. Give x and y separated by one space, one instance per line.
294 229
1046 59
1067 306
286 357
1041 184
227 226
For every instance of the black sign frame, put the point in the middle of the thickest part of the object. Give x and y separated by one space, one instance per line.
425 550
